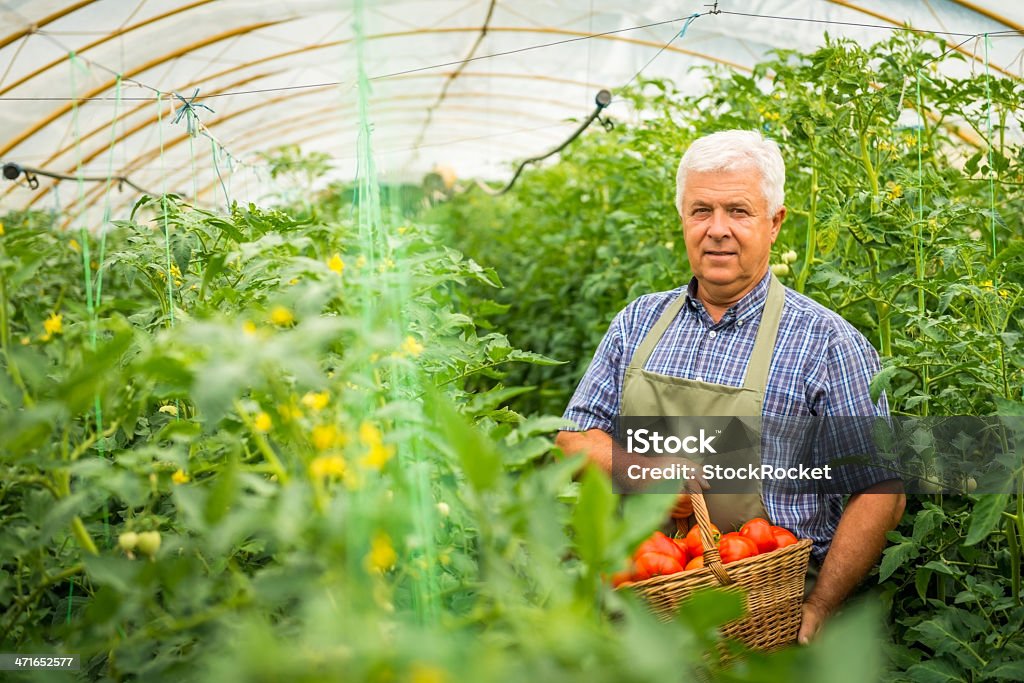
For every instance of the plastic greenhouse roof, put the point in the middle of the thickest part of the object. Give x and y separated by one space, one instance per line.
285 72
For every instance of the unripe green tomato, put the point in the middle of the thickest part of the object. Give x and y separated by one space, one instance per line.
780 269
127 541
149 542
972 484
789 256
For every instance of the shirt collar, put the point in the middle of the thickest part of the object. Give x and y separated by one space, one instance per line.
751 303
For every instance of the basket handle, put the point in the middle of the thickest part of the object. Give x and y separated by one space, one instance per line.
712 559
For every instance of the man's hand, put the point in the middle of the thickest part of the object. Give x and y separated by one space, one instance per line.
855 549
813 618
683 507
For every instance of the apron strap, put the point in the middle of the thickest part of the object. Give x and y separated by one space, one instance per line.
646 348
756 377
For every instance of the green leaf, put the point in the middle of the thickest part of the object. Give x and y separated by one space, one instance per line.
710 608
592 515
926 521
933 671
1007 671
895 557
882 381
922 578
478 457
985 516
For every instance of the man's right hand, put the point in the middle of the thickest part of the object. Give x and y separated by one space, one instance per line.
683 508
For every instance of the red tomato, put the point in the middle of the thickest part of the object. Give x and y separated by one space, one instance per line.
760 532
619 578
695 563
681 542
655 564
660 543
735 546
783 537
693 545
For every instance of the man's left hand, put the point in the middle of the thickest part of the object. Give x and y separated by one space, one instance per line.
811 621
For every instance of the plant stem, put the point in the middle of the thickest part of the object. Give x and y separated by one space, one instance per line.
262 445
82 536
5 342
811 244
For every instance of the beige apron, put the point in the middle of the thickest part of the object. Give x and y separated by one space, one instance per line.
647 393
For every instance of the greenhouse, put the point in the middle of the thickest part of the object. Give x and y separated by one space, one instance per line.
484 340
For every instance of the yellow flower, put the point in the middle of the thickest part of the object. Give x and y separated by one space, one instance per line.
249 327
986 284
336 264
401 229
175 271
411 346
279 315
1004 293
54 324
386 265
382 555
169 410
75 246
261 423
427 673
316 400
378 456
1 229
25 341
361 261
294 281
327 466
895 191
326 436
369 434
180 477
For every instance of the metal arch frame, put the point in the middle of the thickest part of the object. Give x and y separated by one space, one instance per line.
100 41
125 134
7 40
32 130
153 119
94 196
989 14
181 138
205 190
325 113
156 61
242 30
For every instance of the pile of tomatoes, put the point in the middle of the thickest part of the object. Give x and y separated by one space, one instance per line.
660 555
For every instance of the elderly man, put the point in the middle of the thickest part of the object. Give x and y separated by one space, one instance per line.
734 341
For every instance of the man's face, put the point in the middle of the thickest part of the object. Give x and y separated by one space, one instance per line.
727 229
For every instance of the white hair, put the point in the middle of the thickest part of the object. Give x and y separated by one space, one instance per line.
733 150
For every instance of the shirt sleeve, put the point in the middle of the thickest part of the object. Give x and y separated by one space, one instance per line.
596 401
850 416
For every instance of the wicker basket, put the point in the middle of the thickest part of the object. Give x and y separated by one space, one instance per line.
773 586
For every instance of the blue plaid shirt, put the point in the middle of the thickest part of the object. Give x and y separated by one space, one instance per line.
821 366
